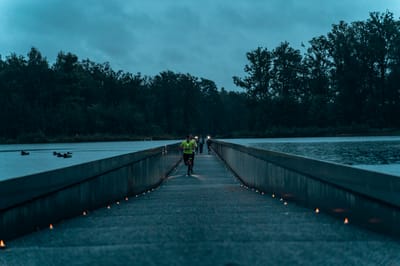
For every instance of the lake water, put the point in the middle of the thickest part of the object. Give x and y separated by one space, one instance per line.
380 154
41 157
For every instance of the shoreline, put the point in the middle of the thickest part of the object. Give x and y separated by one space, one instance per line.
270 133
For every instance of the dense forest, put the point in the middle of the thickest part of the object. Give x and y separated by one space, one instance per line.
345 82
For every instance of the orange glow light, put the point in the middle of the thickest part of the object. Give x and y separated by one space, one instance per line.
346 220
51 227
2 244
316 210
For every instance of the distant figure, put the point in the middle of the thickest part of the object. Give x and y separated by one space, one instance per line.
194 144
208 144
201 143
24 153
196 140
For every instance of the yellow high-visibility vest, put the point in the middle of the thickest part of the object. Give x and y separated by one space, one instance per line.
187 147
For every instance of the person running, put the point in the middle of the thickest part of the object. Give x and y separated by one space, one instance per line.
188 147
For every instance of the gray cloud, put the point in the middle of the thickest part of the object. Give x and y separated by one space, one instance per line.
206 38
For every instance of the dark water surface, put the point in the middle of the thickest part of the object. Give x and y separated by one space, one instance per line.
380 154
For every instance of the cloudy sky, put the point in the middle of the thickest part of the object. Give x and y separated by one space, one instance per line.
206 38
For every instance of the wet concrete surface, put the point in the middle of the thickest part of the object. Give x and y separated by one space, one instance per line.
204 219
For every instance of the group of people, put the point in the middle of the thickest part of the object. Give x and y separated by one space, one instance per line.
192 145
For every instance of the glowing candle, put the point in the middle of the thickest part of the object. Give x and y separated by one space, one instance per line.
2 244
51 227
346 220
316 210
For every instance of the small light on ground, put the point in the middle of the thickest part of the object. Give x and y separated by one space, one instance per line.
84 213
316 210
2 244
346 220
51 227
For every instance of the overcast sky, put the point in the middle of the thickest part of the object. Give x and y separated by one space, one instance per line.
206 38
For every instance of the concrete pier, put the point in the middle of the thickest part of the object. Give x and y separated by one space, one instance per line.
205 219
34 201
370 199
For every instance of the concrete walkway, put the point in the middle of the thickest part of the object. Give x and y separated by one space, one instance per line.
204 219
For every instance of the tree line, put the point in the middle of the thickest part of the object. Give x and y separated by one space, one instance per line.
346 80
82 100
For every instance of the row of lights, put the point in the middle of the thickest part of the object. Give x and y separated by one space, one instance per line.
316 210
84 213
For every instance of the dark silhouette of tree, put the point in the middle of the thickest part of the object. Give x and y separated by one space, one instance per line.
212 111
317 92
286 84
257 84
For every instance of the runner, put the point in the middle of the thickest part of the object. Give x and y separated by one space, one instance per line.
188 147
